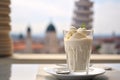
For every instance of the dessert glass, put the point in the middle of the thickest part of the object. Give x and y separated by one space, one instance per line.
78 46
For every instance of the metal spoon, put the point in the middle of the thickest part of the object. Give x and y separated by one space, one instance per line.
62 71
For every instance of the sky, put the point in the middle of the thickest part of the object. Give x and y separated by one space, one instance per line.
38 14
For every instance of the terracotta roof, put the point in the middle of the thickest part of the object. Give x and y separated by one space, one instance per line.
37 46
20 45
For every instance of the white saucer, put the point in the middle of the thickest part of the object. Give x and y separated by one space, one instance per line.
76 75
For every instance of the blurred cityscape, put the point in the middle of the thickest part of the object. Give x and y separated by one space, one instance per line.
52 43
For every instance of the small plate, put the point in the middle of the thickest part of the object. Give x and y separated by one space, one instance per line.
75 75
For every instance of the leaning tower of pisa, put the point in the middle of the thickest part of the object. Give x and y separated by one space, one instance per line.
83 13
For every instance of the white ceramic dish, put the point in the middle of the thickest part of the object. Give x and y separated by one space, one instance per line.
76 75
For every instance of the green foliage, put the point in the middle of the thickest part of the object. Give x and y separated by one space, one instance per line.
98 47
83 25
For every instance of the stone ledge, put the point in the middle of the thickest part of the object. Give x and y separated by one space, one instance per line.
56 58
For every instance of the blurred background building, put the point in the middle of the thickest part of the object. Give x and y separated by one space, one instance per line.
30 39
51 41
48 44
83 13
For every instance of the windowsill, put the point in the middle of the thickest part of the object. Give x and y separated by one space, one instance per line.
56 58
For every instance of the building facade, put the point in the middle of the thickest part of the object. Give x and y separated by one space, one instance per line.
28 41
83 13
51 41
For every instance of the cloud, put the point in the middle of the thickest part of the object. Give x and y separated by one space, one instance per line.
104 1
106 18
39 12
34 8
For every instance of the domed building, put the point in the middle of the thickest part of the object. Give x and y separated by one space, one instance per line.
51 41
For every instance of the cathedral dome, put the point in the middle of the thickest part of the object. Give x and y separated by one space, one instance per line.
28 29
51 28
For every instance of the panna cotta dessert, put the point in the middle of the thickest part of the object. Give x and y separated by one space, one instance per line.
78 46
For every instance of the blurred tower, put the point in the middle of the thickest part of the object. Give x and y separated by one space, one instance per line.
51 43
5 40
28 41
83 13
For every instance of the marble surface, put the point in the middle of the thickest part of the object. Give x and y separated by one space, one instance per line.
36 72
